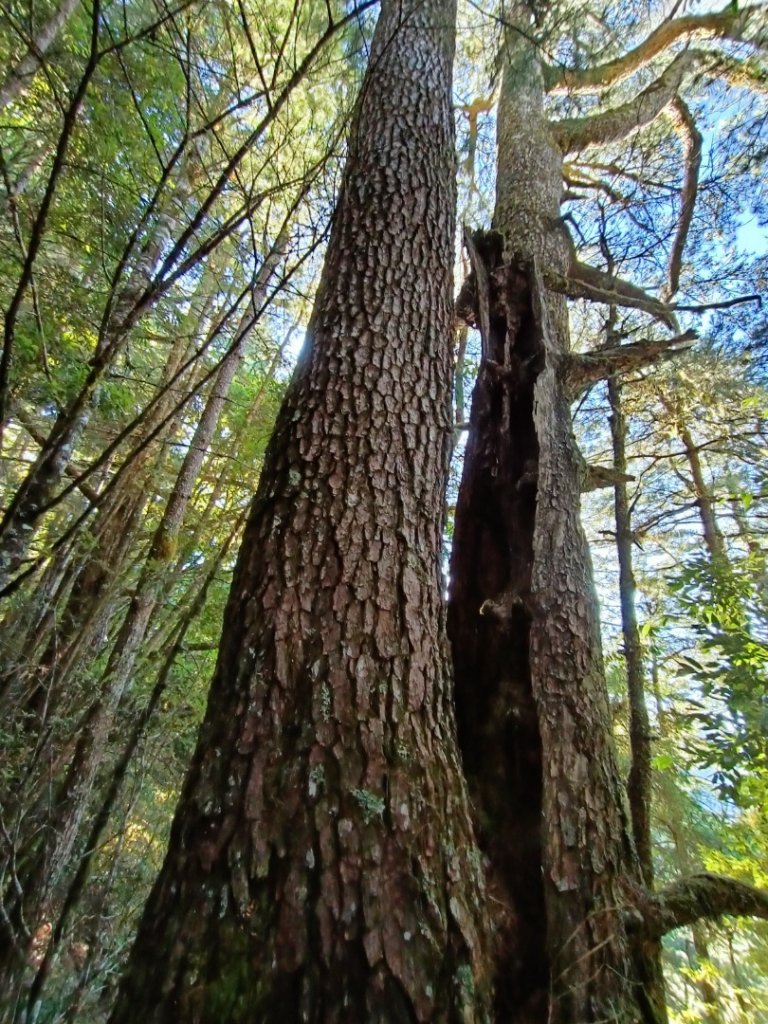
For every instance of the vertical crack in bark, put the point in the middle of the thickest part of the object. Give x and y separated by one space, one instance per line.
489 618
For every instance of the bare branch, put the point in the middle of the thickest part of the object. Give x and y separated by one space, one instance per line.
701 307
582 371
572 134
729 23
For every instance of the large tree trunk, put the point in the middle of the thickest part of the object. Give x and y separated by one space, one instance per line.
322 865
532 708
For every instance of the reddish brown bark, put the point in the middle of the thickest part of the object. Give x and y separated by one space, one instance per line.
322 865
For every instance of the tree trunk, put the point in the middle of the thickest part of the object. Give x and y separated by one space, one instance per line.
532 709
136 731
21 75
134 292
321 864
639 782
713 536
71 619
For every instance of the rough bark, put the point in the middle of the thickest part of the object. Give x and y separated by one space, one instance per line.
321 864
532 707
703 897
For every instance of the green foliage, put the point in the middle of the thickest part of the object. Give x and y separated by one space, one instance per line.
725 603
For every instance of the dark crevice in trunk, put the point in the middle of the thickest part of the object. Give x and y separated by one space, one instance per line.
489 616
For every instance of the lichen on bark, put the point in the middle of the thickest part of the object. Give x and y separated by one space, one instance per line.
322 865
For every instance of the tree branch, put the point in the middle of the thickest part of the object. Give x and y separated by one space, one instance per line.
582 371
585 282
572 134
702 896
692 142
726 24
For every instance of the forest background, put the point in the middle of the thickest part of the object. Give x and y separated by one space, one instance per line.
168 180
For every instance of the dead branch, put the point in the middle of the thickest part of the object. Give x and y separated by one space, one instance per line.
597 477
692 143
581 371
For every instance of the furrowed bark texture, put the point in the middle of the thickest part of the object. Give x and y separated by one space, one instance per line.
523 617
322 866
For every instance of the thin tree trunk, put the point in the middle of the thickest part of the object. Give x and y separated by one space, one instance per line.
25 511
639 782
67 629
20 76
321 864
73 796
77 886
713 537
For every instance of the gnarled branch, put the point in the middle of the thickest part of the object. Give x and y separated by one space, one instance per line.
581 371
729 23
698 897
572 134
